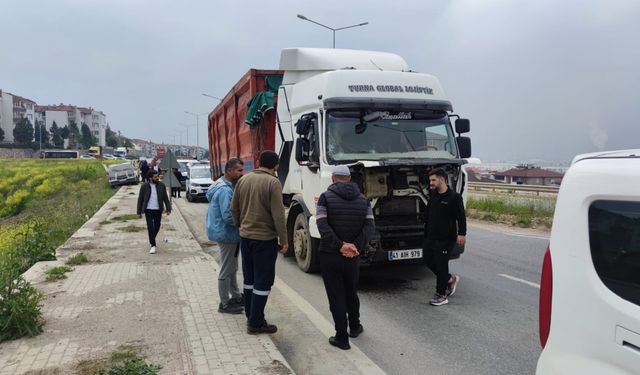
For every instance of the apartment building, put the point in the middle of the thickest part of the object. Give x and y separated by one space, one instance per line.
14 108
64 114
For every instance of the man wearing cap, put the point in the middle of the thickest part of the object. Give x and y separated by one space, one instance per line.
258 210
345 222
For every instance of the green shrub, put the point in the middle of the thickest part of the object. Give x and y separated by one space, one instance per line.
135 366
20 313
33 244
77 260
57 273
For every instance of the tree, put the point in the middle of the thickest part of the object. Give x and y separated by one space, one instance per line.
23 132
56 135
64 132
87 139
126 142
111 138
74 134
39 129
1 135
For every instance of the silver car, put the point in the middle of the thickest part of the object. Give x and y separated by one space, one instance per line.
123 174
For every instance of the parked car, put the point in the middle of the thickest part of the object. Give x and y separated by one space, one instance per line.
184 167
123 174
590 287
198 181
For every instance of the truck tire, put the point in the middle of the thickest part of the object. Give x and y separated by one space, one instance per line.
305 247
189 197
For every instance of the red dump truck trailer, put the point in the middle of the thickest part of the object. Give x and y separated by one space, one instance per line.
232 133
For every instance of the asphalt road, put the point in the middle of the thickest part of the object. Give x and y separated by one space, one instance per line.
490 326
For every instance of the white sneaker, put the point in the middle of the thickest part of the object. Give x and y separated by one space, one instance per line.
153 250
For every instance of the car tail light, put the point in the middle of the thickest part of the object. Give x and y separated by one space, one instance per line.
546 292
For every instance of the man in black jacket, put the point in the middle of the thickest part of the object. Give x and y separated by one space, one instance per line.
345 222
151 200
446 225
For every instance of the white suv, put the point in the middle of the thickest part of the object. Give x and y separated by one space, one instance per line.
198 181
590 288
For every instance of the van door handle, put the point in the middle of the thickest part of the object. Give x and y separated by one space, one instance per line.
628 339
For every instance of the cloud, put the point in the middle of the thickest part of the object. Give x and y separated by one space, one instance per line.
598 135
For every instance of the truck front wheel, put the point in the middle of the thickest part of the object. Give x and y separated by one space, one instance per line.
305 247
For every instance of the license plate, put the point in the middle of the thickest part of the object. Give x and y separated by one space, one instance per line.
405 254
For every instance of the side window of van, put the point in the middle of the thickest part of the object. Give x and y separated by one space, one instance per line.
614 237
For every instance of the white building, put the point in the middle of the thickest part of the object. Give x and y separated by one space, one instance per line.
64 114
14 108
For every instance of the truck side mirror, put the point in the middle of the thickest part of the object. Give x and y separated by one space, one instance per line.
302 150
306 123
462 125
464 146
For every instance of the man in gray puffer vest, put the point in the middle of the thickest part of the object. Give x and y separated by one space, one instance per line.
345 222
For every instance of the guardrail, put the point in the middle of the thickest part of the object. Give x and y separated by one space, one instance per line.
537 189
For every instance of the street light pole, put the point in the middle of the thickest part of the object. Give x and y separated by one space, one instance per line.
330 28
187 142
197 116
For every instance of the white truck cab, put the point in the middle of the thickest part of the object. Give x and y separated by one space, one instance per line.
590 287
389 125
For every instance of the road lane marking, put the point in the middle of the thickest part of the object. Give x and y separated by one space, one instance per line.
520 280
358 358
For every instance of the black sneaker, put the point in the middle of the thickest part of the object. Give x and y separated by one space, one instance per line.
356 332
264 328
230 309
237 300
342 344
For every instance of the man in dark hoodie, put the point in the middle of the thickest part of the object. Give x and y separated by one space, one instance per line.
345 222
445 226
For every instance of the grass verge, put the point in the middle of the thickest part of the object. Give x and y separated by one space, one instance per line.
42 203
524 213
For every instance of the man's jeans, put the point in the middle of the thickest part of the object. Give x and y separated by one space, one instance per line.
227 281
154 217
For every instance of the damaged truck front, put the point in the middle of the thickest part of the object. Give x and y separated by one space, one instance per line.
368 111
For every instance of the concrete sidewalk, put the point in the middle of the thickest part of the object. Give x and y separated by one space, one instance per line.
164 305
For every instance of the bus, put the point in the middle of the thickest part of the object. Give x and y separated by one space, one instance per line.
60 154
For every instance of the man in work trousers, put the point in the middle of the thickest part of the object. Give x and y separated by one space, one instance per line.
220 228
258 210
345 222
445 225
152 200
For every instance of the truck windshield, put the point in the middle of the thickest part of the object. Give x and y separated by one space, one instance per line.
416 134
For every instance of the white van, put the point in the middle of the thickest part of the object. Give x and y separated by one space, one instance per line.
590 288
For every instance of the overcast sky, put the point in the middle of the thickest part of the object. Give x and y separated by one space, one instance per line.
541 79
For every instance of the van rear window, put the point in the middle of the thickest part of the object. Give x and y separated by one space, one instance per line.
614 237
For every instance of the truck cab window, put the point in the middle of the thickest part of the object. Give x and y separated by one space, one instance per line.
418 134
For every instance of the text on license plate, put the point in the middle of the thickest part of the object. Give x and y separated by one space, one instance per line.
405 254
